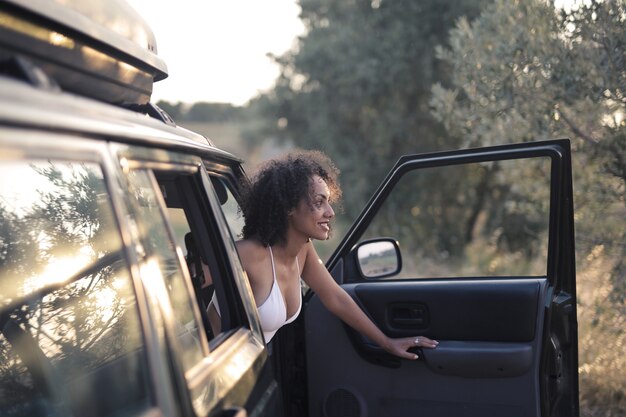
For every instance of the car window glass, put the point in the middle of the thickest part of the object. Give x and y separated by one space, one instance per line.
481 219
230 207
201 268
70 335
196 228
160 249
179 225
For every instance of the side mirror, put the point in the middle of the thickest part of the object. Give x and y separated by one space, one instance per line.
379 258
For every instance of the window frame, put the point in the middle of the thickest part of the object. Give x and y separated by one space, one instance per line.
344 271
408 175
231 174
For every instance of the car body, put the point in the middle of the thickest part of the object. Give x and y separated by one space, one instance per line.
108 210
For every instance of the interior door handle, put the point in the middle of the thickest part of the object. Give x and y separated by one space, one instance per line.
408 315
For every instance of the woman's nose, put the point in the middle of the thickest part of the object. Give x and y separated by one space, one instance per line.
329 211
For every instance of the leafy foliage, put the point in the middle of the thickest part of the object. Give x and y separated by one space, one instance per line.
201 111
359 83
525 71
548 75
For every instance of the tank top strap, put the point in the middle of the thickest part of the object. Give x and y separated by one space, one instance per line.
274 269
272 259
298 265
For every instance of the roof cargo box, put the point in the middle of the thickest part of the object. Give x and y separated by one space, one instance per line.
98 48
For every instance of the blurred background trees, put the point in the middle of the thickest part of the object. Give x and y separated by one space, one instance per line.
372 80
520 69
359 82
549 75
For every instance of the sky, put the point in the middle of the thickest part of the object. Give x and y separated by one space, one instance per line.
216 50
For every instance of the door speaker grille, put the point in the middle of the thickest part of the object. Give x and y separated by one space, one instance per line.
342 403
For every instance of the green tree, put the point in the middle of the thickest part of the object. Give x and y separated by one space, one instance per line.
357 85
523 71
175 110
211 112
18 247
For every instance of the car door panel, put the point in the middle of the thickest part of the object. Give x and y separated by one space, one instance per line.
434 385
480 310
478 342
507 342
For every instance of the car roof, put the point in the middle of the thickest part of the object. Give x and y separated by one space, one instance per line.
67 61
24 105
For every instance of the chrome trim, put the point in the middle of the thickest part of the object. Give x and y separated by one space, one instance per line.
142 155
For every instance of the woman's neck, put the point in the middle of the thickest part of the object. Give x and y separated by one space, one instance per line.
290 247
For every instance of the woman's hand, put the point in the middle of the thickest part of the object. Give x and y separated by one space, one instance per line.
400 347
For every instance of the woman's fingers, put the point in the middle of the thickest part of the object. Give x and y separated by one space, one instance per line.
400 347
424 342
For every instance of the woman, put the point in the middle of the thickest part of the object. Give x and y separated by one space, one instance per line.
287 204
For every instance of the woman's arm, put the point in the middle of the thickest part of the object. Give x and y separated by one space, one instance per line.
340 303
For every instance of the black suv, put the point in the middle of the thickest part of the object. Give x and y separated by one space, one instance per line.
109 211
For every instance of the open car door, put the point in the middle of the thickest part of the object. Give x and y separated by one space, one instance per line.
473 248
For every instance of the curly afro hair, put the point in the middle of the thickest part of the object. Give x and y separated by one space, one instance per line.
277 188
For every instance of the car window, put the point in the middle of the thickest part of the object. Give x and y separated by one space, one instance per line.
480 219
160 252
197 225
198 264
230 206
70 335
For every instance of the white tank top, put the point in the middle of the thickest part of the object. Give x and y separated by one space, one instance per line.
272 311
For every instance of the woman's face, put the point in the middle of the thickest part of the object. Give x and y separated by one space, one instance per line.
313 214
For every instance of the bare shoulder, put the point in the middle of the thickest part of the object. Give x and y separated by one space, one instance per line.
310 255
252 254
248 245
316 275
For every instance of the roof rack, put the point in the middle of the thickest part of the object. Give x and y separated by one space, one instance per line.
100 49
